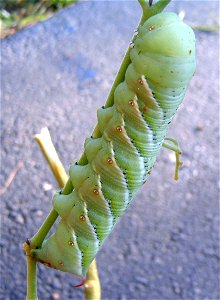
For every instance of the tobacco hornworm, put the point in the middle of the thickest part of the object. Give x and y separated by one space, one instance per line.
132 130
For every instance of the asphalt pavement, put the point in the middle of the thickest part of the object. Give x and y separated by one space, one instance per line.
56 74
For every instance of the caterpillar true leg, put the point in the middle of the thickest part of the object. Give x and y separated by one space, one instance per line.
175 147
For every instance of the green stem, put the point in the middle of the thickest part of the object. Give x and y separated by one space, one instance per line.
31 273
39 237
206 28
147 12
41 234
31 279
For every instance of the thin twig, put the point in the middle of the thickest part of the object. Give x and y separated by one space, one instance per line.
49 152
177 151
31 273
11 177
206 28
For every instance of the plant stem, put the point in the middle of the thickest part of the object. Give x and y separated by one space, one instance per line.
38 238
149 11
92 285
206 28
49 152
31 279
178 152
31 274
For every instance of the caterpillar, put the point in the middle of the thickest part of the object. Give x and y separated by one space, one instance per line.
131 133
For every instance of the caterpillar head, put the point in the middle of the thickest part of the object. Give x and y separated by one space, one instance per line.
166 48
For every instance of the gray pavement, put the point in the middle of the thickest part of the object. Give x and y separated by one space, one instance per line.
56 74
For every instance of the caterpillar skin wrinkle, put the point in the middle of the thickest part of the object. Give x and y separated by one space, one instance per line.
132 131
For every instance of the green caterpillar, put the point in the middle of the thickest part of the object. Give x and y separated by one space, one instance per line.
132 132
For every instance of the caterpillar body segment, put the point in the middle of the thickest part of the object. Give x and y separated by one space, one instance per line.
132 132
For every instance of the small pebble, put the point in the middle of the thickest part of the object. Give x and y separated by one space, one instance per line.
39 213
195 173
198 128
197 291
47 186
56 296
176 288
141 279
158 261
20 218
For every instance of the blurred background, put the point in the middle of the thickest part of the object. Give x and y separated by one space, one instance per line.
57 73
18 14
